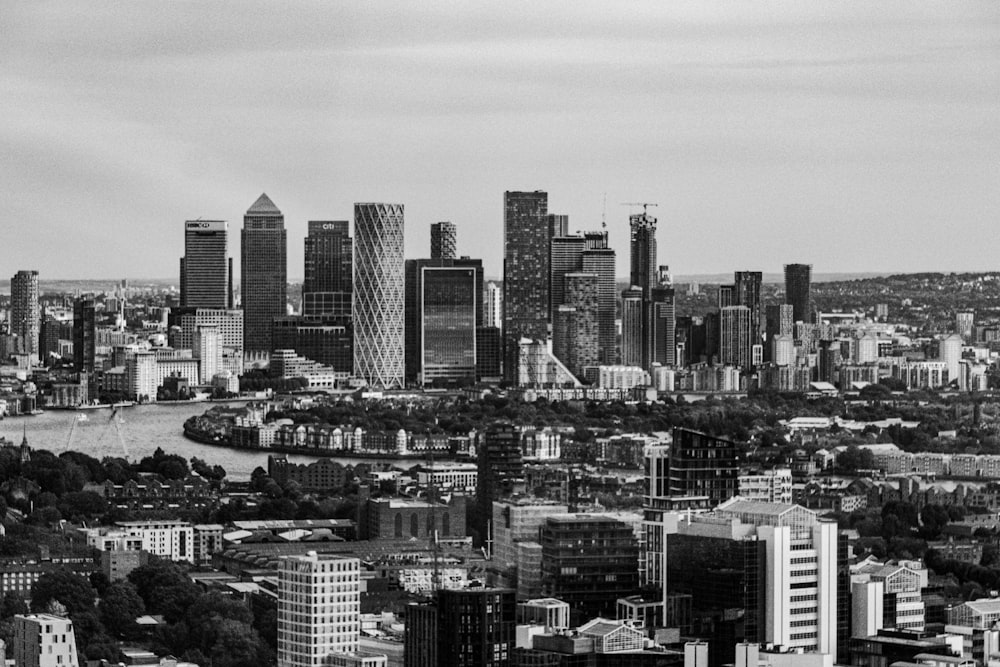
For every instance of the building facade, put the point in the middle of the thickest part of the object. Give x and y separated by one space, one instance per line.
25 312
263 272
205 266
526 273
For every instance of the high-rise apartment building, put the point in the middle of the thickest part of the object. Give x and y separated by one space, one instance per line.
965 322
319 608
661 316
493 306
633 343
746 292
379 295
599 259
501 470
206 266
329 272
575 326
208 350
527 233
643 252
444 242
469 627
778 321
735 336
798 281
25 312
85 343
263 271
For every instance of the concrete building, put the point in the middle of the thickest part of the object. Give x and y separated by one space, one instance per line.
319 608
769 486
526 305
26 313
43 640
887 596
173 540
444 240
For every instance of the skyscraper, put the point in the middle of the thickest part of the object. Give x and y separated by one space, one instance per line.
526 273
25 311
442 317
493 306
575 331
777 322
565 256
85 343
746 292
643 250
443 240
264 272
798 279
662 326
329 273
632 319
379 295
205 264
735 336
601 261
319 608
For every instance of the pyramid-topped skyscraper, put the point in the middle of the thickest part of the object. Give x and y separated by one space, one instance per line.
263 271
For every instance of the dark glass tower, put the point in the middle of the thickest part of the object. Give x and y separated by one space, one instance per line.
525 273
443 240
264 272
205 265
329 279
798 278
85 343
600 259
746 292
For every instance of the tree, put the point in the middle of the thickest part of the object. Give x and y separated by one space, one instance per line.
82 505
120 606
12 605
71 590
164 588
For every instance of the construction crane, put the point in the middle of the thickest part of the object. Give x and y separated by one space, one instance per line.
643 204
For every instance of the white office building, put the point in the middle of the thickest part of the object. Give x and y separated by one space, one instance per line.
43 640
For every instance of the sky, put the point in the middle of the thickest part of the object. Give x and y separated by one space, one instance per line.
851 135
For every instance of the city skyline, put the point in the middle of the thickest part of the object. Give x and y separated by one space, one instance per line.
759 129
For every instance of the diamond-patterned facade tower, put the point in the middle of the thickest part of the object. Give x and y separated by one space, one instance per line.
379 294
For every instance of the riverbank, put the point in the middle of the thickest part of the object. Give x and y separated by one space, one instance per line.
218 441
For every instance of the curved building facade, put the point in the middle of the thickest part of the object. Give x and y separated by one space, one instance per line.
379 294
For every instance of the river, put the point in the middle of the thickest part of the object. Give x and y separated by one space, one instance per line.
139 432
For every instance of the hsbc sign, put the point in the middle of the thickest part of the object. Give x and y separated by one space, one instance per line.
205 225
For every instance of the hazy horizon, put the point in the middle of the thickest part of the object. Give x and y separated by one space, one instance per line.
857 137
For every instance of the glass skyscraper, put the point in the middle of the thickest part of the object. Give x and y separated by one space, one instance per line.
329 269
798 278
264 272
205 265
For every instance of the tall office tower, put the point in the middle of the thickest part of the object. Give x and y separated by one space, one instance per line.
449 305
444 240
701 465
600 260
746 292
525 273
964 323
442 285
493 306
735 336
588 561
379 295
725 296
85 343
575 333
566 256
25 311
470 627
208 351
632 318
329 272
798 278
501 471
319 608
662 329
777 566
643 249
264 274
205 266
44 640
558 224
